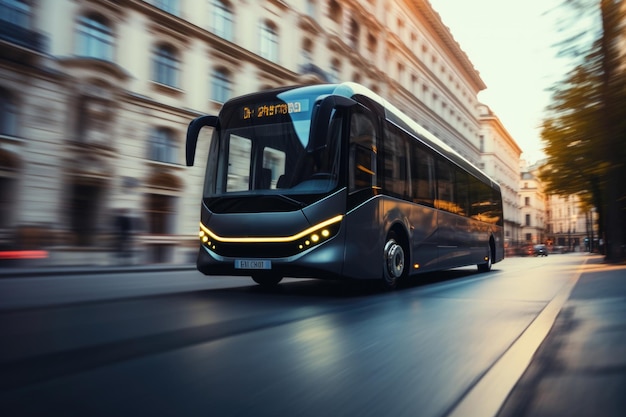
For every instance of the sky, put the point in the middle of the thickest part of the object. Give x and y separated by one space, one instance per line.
510 44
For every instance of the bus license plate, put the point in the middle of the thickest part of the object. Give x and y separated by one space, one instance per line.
253 264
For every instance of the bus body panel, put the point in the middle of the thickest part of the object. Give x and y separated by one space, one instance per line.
323 260
326 208
364 241
453 240
424 252
257 224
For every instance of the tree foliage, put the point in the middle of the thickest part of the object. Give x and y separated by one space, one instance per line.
585 130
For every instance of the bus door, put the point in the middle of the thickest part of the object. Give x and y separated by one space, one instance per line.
363 210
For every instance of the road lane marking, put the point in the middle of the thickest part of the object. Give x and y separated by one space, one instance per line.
488 395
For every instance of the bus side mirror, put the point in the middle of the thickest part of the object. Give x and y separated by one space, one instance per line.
192 134
320 123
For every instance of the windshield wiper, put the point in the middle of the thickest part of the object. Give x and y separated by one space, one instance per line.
291 200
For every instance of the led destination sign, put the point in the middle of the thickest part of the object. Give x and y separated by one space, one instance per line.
274 109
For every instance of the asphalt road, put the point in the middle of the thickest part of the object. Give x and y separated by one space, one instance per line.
180 344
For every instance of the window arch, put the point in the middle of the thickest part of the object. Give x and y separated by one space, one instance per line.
221 86
8 114
269 41
222 19
94 37
162 146
166 65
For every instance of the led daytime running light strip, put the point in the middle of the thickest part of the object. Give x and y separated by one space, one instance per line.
269 239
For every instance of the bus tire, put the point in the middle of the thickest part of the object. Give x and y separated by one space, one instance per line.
394 262
486 267
267 280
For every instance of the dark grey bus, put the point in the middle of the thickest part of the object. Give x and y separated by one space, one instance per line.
333 182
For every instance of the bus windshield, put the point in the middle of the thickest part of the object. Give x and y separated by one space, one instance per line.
264 146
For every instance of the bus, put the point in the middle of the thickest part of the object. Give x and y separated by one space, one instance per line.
331 181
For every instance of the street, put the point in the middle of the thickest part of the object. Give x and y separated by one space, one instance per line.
179 343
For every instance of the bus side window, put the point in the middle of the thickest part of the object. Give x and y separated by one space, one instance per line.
396 162
445 187
362 152
462 192
423 176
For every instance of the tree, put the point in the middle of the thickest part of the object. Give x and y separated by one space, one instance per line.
585 132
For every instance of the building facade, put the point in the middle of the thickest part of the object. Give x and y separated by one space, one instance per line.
97 94
532 199
500 160
570 228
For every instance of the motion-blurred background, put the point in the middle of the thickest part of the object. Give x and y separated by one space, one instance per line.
96 96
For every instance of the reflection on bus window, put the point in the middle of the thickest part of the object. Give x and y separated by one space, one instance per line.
238 163
362 152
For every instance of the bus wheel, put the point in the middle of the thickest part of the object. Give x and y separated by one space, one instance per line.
394 262
486 267
267 280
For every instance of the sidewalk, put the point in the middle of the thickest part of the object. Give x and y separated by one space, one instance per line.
17 272
580 368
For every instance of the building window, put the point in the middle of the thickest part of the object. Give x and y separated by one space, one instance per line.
95 38
16 12
306 52
372 45
170 6
527 201
310 8
222 20
8 114
166 66
335 69
220 86
355 33
269 41
162 146
528 220
335 12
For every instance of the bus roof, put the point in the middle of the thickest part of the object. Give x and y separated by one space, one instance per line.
399 118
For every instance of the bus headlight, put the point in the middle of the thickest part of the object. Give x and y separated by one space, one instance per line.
318 237
314 235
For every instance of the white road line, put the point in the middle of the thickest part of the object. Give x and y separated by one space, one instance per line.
488 395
